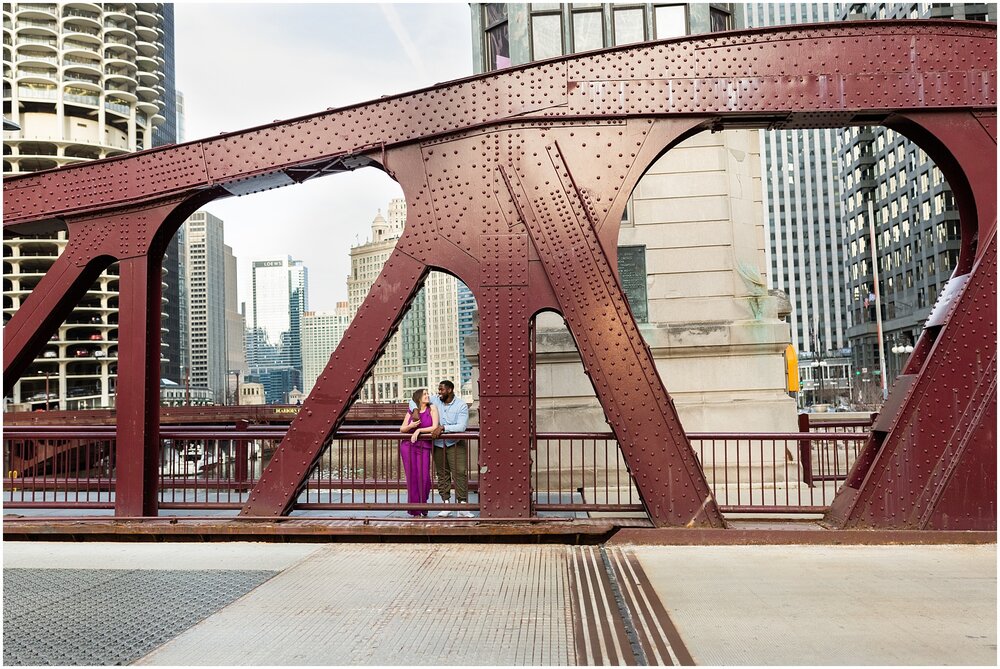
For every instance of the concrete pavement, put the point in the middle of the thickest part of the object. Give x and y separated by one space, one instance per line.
830 605
472 604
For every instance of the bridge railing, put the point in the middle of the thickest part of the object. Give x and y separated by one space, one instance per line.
360 473
361 470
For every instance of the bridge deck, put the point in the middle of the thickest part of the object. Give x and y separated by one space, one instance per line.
499 605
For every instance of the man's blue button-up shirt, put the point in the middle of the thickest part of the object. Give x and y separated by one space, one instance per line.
454 417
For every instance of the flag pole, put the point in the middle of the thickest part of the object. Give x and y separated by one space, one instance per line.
878 302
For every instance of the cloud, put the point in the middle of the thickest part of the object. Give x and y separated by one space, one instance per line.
241 65
404 38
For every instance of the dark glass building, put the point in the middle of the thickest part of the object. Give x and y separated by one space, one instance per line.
166 133
899 219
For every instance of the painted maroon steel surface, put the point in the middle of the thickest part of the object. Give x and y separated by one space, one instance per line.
515 182
932 465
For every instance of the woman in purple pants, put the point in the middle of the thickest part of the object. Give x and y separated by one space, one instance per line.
415 452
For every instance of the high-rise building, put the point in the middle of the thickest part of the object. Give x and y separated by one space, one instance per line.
413 345
801 175
321 333
506 34
84 81
167 133
466 326
916 225
236 358
386 382
203 253
180 117
280 295
425 349
443 346
692 255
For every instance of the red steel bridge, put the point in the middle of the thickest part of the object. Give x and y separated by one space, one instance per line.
515 182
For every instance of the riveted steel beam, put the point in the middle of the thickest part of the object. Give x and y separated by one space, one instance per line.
806 76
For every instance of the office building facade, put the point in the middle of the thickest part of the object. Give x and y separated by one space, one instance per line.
441 314
466 327
806 259
506 34
84 82
692 254
204 258
367 259
236 358
916 230
167 132
321 334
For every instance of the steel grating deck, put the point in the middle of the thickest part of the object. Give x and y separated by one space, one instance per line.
108 616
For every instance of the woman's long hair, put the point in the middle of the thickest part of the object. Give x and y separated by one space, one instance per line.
417 396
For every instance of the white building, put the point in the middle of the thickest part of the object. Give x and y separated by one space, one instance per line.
321 333
386 384
425 349
251 394
84 81
204 259
176 395
441 317
236 358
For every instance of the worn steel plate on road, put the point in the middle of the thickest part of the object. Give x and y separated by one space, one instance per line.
108 616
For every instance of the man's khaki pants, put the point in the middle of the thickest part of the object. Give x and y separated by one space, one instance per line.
452 463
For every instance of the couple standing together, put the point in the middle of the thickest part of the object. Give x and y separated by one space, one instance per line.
429 417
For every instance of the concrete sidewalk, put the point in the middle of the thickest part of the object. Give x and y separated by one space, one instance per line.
830 605
469 604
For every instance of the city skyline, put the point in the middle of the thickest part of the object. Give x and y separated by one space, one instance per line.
363 52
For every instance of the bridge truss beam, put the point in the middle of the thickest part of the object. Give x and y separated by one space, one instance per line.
515 183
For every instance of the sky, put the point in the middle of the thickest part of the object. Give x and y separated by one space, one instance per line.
245 64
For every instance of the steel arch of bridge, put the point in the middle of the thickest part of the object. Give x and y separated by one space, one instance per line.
515 182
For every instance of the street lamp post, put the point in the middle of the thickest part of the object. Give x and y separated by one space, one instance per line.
47 374
236 392
901 348
818 365
878 299
820 369
819 394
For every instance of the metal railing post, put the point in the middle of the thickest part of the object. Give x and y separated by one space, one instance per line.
242 468
805 451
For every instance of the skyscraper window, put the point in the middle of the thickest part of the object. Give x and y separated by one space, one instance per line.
497 36
721 20
546 35
629 25
588 30
671 21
